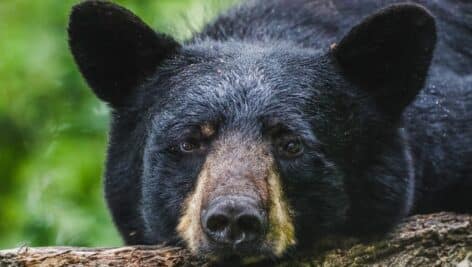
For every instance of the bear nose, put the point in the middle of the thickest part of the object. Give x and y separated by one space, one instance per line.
233 220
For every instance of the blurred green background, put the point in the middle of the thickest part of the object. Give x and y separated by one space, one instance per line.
53 131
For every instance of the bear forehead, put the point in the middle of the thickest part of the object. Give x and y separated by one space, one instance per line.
243 77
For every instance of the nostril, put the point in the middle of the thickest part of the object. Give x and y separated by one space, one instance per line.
233 221
217 222
250 224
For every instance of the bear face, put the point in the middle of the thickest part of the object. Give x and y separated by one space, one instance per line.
237 123
251 148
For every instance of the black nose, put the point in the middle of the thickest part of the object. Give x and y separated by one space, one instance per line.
233 220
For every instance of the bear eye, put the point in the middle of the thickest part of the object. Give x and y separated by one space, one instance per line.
189 146
291 148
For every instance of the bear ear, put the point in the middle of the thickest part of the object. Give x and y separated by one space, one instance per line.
389 53
114 49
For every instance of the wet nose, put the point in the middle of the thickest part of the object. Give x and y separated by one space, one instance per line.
233 220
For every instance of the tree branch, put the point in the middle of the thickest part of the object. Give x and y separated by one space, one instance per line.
441 239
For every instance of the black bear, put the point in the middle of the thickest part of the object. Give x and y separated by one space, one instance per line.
283 121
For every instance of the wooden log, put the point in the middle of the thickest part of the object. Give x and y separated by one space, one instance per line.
440 239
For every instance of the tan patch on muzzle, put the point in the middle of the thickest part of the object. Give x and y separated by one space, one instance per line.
239 167
189 227
281 233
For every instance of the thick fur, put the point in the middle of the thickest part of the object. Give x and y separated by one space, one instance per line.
372 152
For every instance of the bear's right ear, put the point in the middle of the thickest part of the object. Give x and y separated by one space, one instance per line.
114 49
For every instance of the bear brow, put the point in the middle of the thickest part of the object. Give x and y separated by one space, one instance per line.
276 124
187 126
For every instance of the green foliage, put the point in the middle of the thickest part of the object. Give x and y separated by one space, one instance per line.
53 131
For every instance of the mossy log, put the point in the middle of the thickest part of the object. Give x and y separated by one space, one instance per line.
441 239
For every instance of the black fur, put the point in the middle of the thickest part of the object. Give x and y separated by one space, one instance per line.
114 49
383 137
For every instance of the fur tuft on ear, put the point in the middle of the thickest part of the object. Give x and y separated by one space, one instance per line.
114 49
389 53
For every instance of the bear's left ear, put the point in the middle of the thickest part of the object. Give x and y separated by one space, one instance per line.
114 49
388 54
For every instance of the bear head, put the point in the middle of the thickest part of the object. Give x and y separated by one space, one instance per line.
251 148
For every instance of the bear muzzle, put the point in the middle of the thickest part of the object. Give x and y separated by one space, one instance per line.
235 222
238 205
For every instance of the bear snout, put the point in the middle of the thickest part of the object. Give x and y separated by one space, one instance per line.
234 222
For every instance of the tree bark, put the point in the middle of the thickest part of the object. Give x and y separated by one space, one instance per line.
441 239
